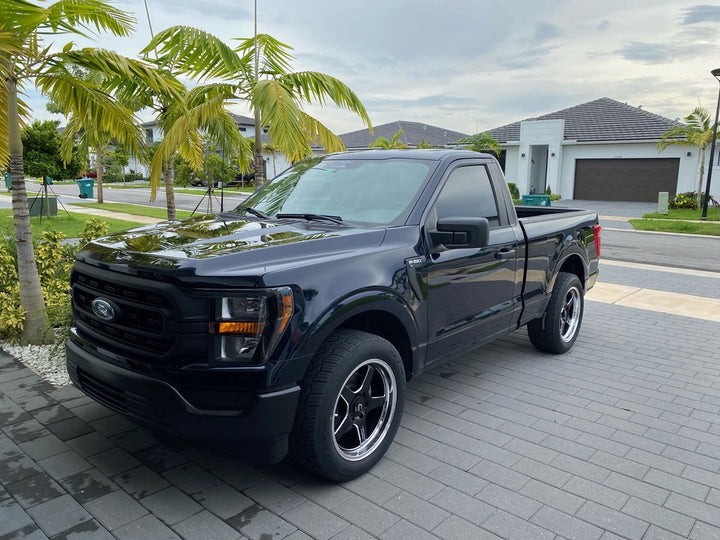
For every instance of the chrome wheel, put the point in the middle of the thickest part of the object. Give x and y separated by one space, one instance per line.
570 315
364 409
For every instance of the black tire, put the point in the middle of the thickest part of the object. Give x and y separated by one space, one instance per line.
350 405
556 331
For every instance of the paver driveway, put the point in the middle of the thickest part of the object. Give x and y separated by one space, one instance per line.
620 438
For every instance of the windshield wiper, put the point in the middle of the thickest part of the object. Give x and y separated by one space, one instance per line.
253 211
313 217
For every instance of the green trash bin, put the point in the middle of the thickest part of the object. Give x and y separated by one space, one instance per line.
536 200
8 180
86 187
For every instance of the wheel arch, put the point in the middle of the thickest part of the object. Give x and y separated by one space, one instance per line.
381 313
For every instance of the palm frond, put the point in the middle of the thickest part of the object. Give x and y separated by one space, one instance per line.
20 17
70 16
311 86
94 111
117 67
274 55
320 134
195 52
281 114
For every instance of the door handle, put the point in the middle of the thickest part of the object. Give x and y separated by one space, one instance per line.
504 254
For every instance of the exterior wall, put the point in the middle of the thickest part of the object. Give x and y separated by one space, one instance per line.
539 133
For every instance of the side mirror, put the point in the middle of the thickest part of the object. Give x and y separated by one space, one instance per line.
461 232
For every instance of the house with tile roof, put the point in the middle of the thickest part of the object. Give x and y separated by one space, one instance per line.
413 134
599 150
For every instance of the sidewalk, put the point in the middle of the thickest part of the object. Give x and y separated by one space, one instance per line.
78 209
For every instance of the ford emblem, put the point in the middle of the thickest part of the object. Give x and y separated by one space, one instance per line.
103 309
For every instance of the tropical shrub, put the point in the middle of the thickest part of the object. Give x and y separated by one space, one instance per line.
685 200
54 257
514 191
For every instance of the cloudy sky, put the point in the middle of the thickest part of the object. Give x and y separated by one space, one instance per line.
472 65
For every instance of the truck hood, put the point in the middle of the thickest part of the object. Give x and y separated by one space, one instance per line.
222 245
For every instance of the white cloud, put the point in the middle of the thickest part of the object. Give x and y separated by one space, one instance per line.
467 65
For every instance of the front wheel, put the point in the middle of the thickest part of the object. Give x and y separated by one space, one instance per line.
556 331
350 405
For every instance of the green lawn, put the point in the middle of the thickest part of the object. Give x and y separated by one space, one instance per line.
686 214
135 209
70 225
676 226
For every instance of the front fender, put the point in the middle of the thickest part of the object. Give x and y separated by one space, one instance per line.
380 311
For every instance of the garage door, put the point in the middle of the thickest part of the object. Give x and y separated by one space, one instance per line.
625 179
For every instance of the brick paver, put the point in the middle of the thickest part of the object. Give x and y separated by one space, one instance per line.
618 438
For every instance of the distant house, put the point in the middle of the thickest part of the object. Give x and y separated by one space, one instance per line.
274 162
414 134
600 150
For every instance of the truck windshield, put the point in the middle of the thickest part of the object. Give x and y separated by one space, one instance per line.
372 191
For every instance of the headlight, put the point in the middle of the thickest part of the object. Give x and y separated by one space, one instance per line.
249 325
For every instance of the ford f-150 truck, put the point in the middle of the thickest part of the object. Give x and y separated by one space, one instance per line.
293 323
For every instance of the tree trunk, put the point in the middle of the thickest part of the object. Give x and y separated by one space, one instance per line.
99 171
702 175
258 153
36 329
170 189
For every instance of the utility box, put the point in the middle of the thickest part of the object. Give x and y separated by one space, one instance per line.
37 206
663 198
536 200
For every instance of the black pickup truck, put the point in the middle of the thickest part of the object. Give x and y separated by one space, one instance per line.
293 323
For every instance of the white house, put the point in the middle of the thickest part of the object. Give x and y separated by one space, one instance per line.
600 150
275 163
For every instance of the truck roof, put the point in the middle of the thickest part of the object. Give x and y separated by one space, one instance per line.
410 153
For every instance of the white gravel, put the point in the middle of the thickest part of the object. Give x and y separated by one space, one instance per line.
48 361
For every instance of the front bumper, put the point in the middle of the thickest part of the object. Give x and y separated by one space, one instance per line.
258 431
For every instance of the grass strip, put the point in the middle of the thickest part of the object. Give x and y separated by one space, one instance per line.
70 225
676 226
686 214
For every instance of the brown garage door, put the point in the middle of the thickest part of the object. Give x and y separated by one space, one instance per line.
625 179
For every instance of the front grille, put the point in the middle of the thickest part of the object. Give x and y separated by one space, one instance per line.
133 294
102 392
142 316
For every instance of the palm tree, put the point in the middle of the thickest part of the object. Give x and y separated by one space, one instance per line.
698 133
90 133
480 142
23 58
395 142
188 124
272 92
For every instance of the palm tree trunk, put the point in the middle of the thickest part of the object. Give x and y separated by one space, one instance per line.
36 329
99 171
170 189
702 175
258 153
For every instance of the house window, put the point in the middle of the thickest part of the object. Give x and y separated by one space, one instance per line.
149 134
265 130
243 129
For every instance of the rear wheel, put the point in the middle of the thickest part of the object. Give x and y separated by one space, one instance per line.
350 405
556 331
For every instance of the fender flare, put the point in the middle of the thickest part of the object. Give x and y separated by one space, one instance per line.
357 303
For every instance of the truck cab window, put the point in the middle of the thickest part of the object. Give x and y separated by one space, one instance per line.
467 193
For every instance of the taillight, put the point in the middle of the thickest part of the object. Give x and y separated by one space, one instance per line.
597 230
